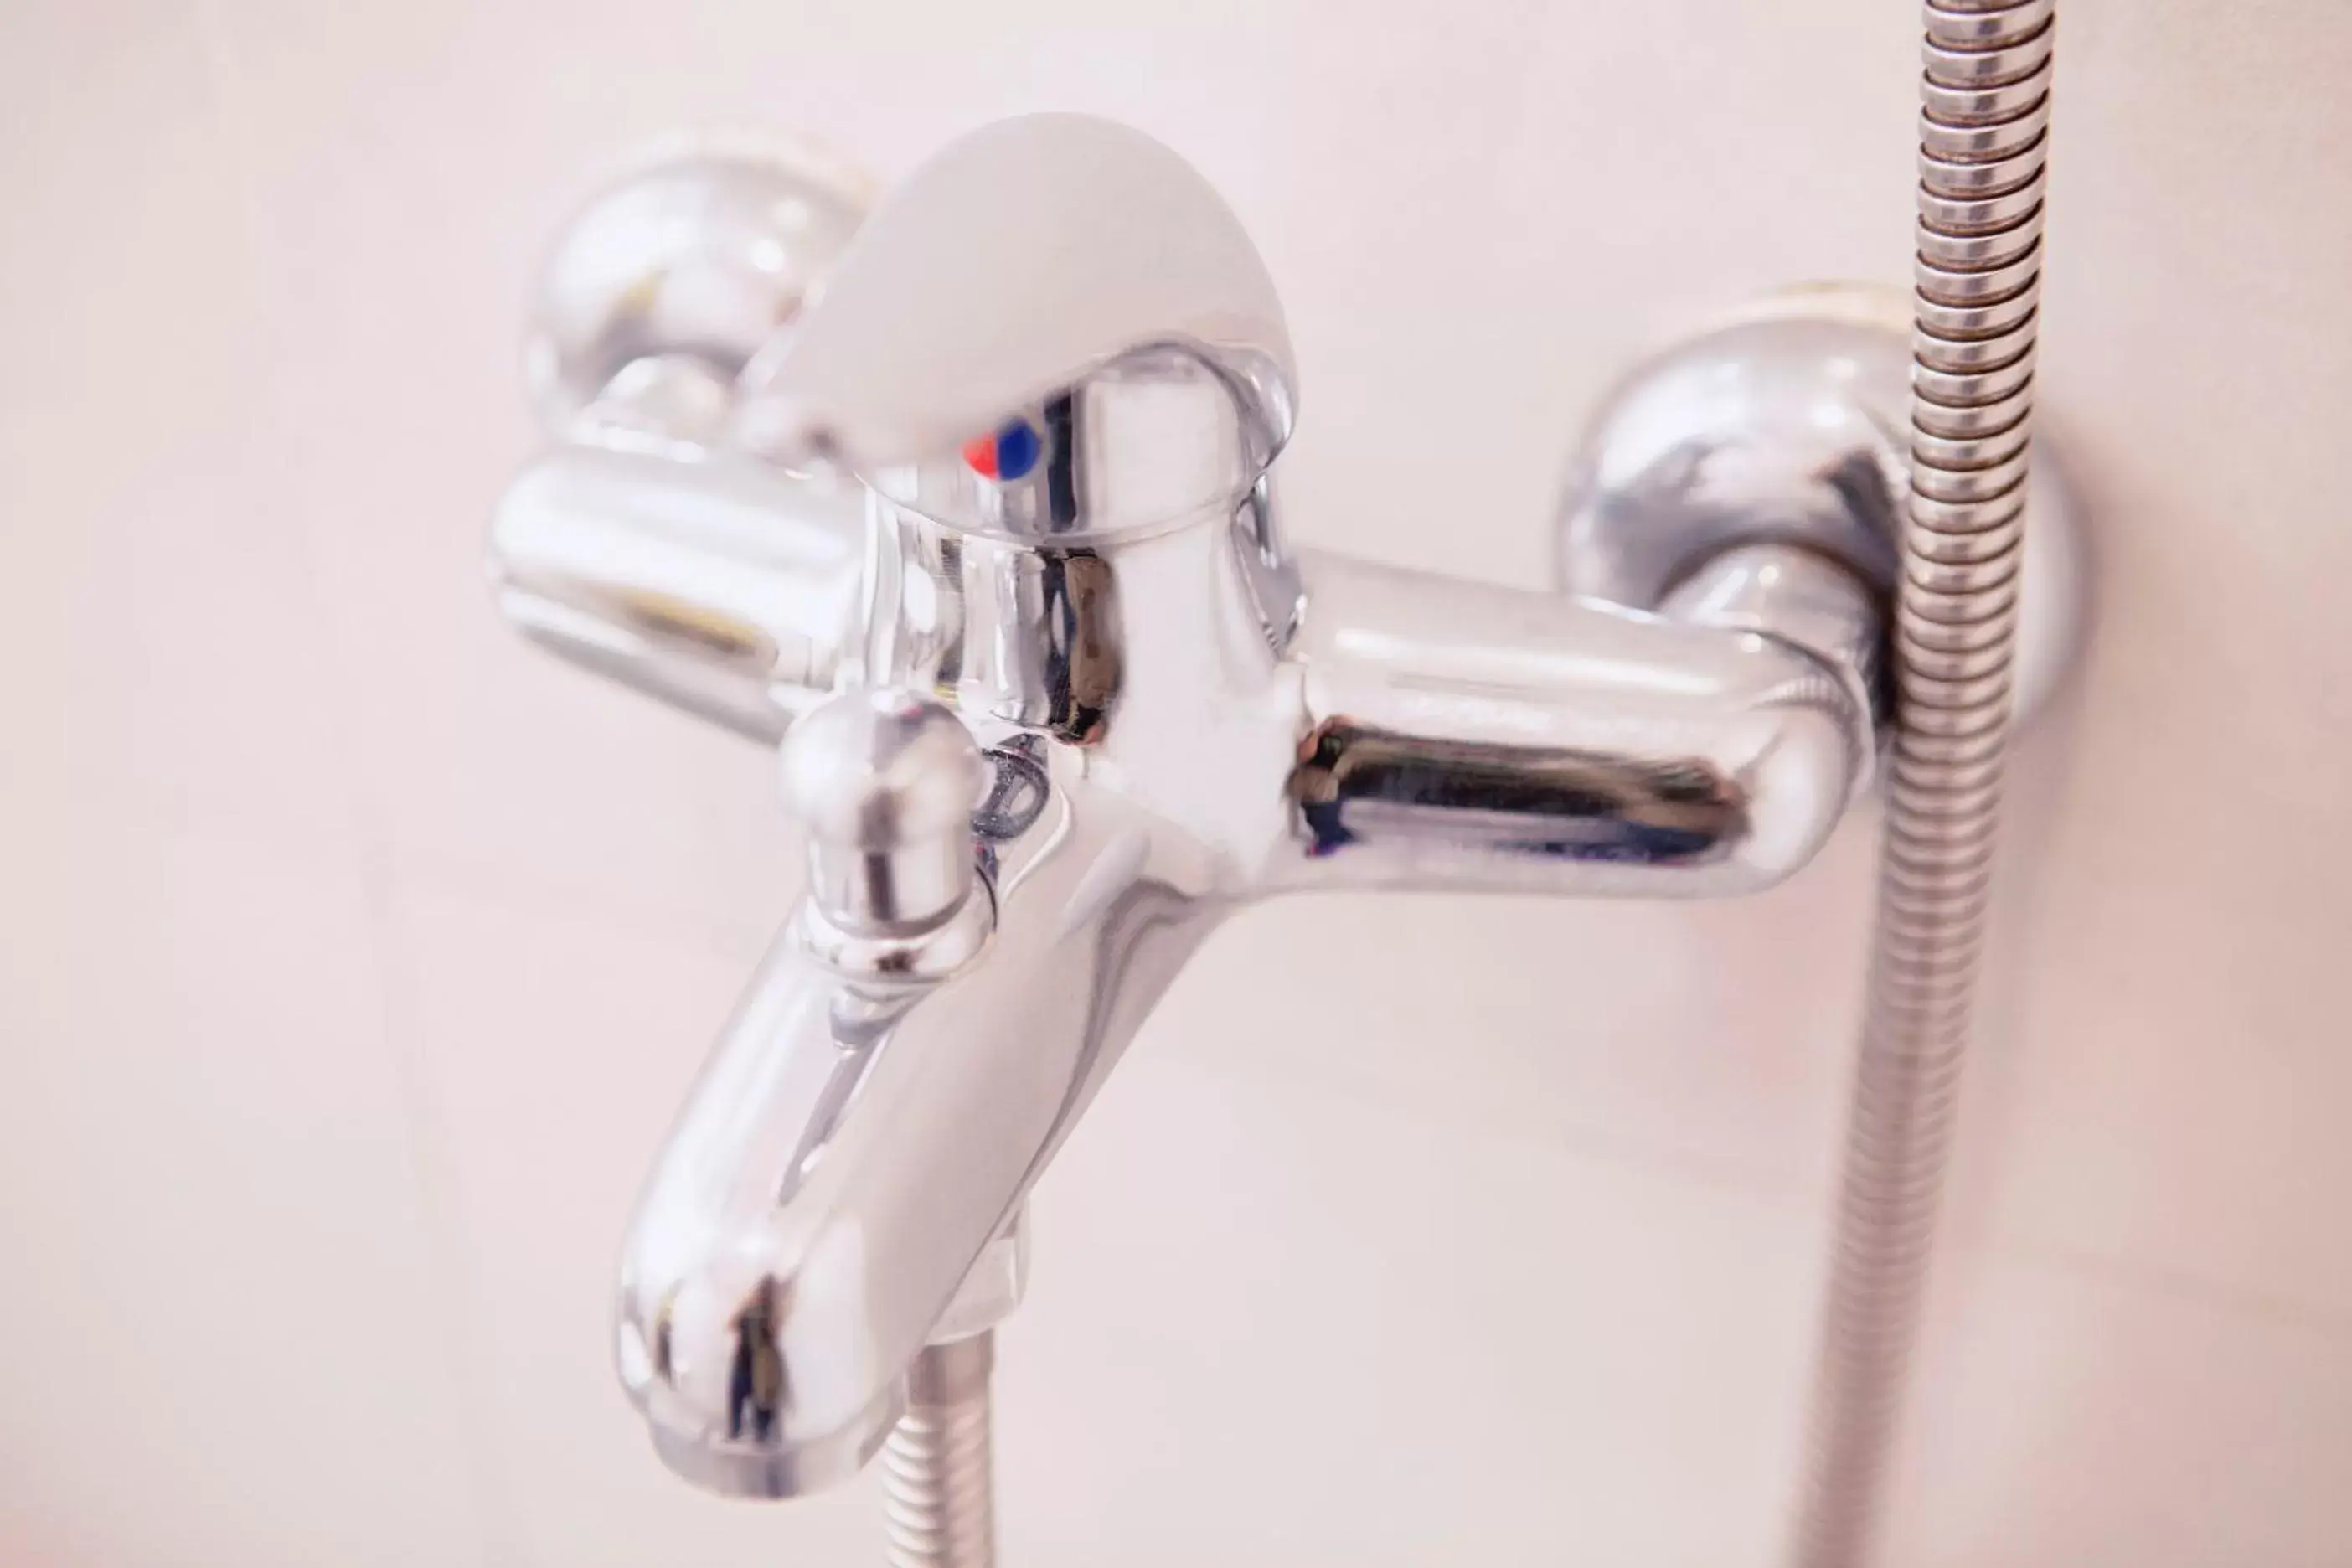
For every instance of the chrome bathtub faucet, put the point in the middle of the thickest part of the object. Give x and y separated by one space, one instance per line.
984 531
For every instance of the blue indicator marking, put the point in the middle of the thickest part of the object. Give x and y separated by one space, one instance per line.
1017 450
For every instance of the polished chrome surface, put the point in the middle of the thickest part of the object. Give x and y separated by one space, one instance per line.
884 783
1788 421
1778 424
722 588
1059 270
662 287
1083 703
1983 144
639 547
1788 591
1458 735
938 1491
863 1132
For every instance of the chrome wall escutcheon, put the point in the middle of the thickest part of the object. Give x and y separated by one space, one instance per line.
1787 422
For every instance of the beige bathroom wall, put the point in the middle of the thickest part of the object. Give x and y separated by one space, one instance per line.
352 957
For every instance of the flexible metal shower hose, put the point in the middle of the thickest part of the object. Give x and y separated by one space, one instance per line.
937 1489
1982 139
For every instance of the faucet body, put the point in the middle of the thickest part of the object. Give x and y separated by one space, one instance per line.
1159 750
1029 488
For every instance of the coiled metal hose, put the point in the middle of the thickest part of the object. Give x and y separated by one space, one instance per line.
1983 135
937 1486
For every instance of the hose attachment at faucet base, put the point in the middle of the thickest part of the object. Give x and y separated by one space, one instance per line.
937 1480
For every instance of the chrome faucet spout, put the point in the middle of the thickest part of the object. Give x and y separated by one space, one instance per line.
864 1131
986 929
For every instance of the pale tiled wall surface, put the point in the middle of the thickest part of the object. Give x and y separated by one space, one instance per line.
351 958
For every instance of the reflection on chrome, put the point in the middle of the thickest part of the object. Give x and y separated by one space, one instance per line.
1355 785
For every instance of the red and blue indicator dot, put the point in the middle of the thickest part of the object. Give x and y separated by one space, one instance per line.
1011 454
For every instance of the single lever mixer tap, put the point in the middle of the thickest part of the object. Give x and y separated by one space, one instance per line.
969 505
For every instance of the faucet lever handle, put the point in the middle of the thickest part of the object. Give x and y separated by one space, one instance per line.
1015 264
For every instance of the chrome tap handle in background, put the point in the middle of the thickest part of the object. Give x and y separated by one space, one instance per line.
663 285
638 547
